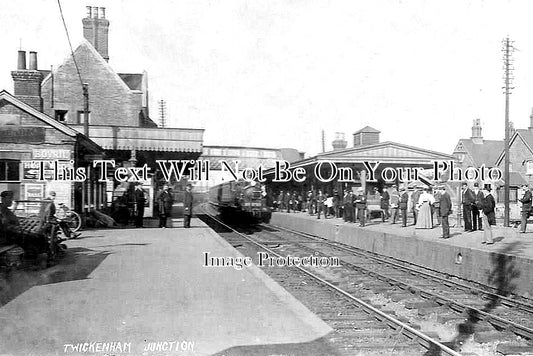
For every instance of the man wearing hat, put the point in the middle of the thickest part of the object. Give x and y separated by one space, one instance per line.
414 202
164 200
477 207
445 210
467 199
62 224
9 225
187 206
140 200
394 202
403 204
360 204
526 208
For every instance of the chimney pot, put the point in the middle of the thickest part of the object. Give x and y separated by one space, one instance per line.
21 65
89 11
102 12
95 12
33 60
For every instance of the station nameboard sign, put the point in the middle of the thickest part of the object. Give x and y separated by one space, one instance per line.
51 154
18 134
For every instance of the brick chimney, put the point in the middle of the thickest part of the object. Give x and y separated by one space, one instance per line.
27 82
477 138
95 30
339 143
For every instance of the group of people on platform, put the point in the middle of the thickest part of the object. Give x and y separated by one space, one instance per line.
429 206
478 210
164 201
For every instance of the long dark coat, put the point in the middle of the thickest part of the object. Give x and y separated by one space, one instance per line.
187 203
445 204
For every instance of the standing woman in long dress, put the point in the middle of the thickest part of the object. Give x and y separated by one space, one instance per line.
425 220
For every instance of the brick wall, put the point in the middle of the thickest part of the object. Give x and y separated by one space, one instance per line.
53 137
111 102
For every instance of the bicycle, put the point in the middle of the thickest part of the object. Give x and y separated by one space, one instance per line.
72 218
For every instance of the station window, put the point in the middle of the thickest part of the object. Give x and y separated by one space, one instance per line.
529 167
81 117
9 170
61 115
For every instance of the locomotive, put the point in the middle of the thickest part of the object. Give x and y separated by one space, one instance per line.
240 200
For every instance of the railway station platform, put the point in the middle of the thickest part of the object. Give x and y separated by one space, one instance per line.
506 265
148 289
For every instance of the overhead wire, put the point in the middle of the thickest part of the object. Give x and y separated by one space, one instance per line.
70 43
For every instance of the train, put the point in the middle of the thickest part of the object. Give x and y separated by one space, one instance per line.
240 200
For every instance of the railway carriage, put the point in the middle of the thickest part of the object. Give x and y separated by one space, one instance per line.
240 200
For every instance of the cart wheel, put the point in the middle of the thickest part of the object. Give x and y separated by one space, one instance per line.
74 220
53 244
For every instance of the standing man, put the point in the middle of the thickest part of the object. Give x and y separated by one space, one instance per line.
445 211
394 202
414 203
348 207
436 205
526 207
403 205
320 204
485 208
489 206
187 206
360 204
384 204
477 208
164 200
467 199
140 200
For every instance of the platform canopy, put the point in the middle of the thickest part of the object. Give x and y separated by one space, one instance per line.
389 153
146 138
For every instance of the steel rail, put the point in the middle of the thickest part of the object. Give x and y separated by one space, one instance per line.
403 328
483 315
505 300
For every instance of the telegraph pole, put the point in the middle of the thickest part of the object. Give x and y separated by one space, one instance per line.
85 88
508 68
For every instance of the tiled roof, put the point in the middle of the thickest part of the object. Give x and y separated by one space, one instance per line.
486 153
367 129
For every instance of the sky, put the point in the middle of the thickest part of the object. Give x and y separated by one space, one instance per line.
276 73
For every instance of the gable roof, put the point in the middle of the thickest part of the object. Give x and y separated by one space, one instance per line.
386 152
527 138
367 129
486 153
86 46
4 95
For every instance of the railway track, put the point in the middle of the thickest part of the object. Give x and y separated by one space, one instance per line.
360 328
479 314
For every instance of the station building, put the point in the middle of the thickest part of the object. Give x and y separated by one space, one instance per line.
118 121
383 157
28 136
